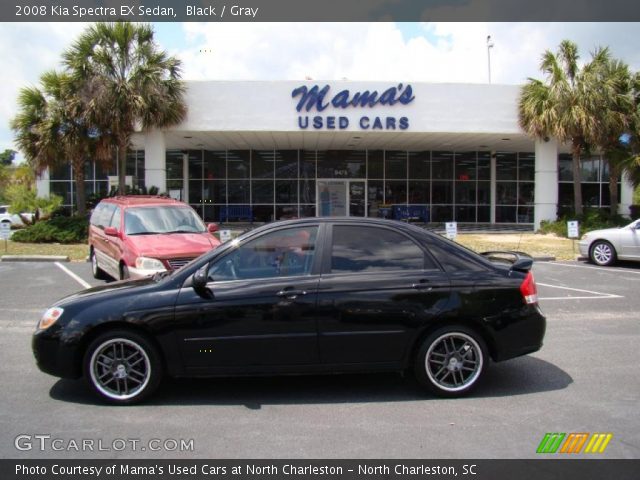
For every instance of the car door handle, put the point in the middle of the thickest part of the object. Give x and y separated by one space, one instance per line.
422 285
290 293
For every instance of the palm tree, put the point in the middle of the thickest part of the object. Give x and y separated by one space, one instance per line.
565 105
50 130
128 82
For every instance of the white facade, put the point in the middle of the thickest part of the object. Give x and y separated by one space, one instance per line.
252 115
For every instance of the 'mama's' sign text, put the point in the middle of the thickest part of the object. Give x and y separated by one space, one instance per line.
319 99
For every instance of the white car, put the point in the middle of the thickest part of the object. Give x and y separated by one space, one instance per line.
604 247
12 218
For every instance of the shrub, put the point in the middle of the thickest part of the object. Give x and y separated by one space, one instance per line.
55 230
590 220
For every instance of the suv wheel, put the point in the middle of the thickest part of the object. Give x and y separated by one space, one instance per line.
451 361
122 367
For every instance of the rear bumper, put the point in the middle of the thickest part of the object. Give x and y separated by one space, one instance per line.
524 334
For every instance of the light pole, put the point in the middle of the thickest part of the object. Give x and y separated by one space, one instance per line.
489 47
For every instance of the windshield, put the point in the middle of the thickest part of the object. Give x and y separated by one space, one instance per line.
162 219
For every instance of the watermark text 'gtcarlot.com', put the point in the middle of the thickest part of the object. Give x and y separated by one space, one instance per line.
48 443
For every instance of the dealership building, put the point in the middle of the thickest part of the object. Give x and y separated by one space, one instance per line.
257 151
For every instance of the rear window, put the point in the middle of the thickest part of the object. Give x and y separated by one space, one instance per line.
371 249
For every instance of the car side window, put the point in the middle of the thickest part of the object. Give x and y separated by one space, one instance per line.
116 219
283 253
372 249
101 216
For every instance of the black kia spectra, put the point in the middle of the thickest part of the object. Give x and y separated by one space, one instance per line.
315 295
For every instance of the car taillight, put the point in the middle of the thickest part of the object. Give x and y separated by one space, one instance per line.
529 290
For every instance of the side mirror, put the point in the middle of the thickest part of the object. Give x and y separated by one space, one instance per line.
111 231
199 282
212 227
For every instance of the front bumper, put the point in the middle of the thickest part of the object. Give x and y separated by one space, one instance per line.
54 357
138 273
584 248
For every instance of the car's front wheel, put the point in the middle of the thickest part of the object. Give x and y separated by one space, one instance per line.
122 367
602 253
451 361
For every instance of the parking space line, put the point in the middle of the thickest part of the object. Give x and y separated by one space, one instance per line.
599 295
73 275
600 269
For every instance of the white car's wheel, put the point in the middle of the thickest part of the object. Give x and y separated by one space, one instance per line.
602 253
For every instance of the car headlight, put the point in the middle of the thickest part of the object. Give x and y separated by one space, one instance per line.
50 317
146 263
584 237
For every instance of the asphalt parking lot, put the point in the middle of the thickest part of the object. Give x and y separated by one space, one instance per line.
585 379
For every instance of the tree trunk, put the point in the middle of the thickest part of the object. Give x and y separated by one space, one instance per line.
122 167
614 176
81 200
577 178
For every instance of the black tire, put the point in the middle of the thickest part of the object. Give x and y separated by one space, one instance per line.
95 268
122 367
451 361
602 253
124 272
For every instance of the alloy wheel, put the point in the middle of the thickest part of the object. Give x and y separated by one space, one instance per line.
454 362
120 369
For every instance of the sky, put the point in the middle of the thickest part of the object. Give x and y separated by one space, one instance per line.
394 52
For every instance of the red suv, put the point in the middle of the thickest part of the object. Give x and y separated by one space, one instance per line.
136 236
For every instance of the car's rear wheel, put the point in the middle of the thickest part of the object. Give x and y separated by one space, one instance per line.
95 268
122 367
602 253
451 361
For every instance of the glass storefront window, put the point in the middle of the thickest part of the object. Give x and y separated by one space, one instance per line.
174 165
238 164
465 166
286 191
442 165
419 165
526 166
506 193
342 164
395 165
238 191
215 191
375 164
395 192
484 166
215 164
506 166
286 163
465 193
419 192
442 192
261 191
262 164
196 164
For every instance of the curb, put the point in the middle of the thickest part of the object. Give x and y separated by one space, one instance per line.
34 258
544 259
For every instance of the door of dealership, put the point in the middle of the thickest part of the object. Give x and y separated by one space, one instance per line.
341 198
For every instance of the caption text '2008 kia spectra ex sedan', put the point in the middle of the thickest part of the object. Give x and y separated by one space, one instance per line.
302 296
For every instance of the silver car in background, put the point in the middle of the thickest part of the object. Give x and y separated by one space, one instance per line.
604 247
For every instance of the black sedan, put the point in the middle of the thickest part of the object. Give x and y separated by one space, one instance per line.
303 296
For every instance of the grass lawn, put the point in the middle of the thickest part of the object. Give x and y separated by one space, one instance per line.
76 252
533 244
